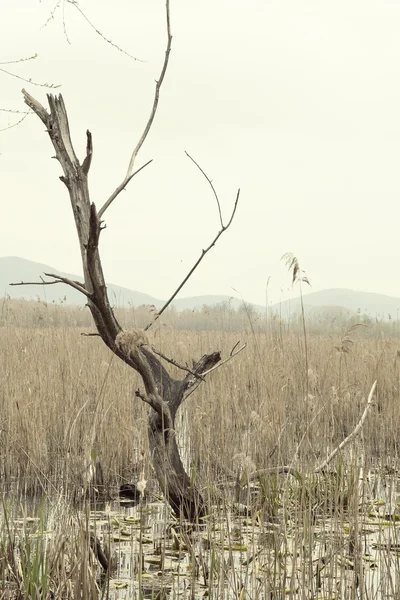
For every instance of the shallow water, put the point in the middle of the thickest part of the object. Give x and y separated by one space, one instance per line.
293 554
244 556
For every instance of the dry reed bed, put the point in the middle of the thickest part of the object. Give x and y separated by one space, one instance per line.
64 394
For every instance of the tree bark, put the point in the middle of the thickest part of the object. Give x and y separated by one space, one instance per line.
177 486
163 393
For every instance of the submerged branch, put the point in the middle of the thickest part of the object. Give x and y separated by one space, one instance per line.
352 435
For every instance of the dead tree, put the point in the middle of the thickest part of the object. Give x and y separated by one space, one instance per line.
162 393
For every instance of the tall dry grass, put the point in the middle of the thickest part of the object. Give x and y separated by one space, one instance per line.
67 401
66 398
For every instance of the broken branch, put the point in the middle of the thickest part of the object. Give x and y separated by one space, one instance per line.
232 354
36 107
171 361
352 435
320 468
89 153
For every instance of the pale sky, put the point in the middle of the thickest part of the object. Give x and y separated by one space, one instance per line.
297 102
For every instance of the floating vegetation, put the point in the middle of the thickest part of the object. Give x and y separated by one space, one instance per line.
230 556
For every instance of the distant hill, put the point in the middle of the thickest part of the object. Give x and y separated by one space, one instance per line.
15 269
365 302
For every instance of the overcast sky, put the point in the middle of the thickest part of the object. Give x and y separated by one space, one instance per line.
297 102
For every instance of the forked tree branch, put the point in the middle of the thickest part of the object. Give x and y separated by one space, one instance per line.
206 365
234 352
75 4
77 285
171 361
204 252
157 381
159 386
130 174
120 188
211 185
192 380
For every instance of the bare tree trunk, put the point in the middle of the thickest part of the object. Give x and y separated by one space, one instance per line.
178 487
175 483
163 393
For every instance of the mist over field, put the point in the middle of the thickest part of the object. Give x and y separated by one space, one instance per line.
326 304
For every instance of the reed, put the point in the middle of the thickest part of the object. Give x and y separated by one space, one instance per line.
67 403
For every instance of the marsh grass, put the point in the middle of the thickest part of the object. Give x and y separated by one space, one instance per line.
65 395
67 403
46 555
326 537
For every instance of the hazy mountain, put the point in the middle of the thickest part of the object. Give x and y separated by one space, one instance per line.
14 269
364 302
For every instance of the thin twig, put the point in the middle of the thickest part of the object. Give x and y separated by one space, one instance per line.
192 270
51 14
17 123
211 185
42 282
176 364
120 188
19 60
65 25
352 435
45 85
58 279
78 8
15 112
234 348
129 173
156 95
